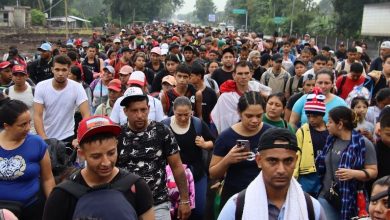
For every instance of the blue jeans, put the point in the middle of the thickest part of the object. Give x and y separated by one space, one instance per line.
161 211
200 198
330 212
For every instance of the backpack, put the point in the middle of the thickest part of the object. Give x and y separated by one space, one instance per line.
103 202
241 201
368 86
173 191
285 77
62 156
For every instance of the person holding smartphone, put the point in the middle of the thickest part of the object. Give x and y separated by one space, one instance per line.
233 150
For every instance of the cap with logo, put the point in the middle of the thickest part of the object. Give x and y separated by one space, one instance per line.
19 69
308 76
138 78
117 40
45 47
268 138
385 45
130 93
115 85
96 125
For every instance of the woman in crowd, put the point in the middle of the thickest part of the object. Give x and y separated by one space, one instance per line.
193 136
324 80
274 111
209 82
379 202
139 65
234 148
99 87
346 162
25 166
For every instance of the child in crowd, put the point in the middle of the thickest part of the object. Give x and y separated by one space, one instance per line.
382 99
360 105
274 111
293 86
311 139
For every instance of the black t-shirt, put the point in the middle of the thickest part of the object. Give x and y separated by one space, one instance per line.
319 139
156 84
220 76
145 154
191 154
61 205
209 99
382 156
257 73
293 99
341 55
150 66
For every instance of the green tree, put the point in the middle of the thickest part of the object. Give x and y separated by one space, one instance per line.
37 17
203 8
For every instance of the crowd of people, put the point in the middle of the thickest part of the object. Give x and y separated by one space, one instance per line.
179 122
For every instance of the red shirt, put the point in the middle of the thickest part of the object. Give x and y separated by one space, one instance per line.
348 85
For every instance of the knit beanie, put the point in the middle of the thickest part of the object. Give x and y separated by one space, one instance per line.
315 104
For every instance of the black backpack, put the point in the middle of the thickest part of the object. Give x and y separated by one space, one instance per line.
103 202
241 201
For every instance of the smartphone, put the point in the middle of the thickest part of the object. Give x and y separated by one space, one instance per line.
245 144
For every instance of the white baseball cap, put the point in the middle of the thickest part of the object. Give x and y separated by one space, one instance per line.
132 92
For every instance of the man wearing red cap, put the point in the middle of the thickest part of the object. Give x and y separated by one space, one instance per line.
114 92
21 90
97 137
5 75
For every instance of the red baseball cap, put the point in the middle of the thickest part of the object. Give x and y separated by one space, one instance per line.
96 124
115 85
19 69
4 64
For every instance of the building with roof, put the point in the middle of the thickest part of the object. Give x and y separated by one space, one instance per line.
73 22
15 16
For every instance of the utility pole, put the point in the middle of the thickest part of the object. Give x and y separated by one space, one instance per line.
51 2
246 20
66 19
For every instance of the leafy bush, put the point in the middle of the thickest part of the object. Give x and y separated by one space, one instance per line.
37 17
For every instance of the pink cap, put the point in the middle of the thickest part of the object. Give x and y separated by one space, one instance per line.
126 70
156 50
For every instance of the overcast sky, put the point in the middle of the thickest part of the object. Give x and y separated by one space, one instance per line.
189 5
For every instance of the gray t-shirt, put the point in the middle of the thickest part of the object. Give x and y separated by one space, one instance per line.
338 147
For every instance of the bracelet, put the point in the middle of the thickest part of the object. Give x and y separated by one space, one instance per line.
366 173
184 202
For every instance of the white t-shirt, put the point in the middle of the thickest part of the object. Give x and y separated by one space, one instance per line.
26 97
156 112
59 107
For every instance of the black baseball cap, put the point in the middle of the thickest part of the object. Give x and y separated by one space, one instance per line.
268 138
